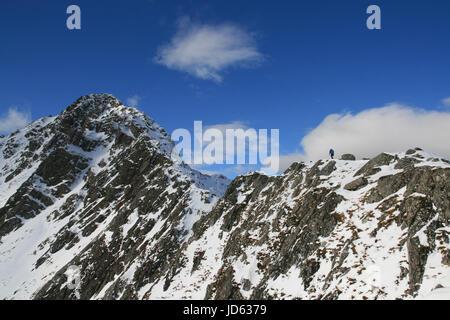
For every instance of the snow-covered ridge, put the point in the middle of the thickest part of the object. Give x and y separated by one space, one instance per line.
96 188
312 233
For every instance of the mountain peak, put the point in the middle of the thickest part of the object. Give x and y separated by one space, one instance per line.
98 171
93 106
96 100
103 117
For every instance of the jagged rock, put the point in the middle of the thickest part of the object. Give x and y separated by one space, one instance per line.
386 186
348 156
446 259
356 184
197 260
404 163
380 160
224 288
246 285
295 167
328 168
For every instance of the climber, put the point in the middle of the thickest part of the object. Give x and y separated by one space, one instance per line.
331 153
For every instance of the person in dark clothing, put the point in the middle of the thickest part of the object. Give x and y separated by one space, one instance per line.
331 153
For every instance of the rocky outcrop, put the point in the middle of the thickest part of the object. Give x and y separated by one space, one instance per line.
348 156
373 165
356 184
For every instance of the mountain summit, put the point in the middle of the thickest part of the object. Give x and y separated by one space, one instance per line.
100 171
96 190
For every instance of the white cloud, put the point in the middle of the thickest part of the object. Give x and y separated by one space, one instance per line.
288 159
224 126
205 51
133 101
257 153
393 128
446 102
14 120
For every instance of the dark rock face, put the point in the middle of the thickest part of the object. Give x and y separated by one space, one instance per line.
52 179
348 156
224 288
405 163
328 168
356 184
382 159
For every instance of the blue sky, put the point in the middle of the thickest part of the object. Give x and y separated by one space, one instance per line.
313 59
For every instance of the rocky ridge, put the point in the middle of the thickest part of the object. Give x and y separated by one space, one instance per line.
97 188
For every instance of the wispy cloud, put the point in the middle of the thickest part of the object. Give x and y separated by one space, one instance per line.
222 127
252 156
231 125
205 51
13 120
133 101
446 102
392 128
